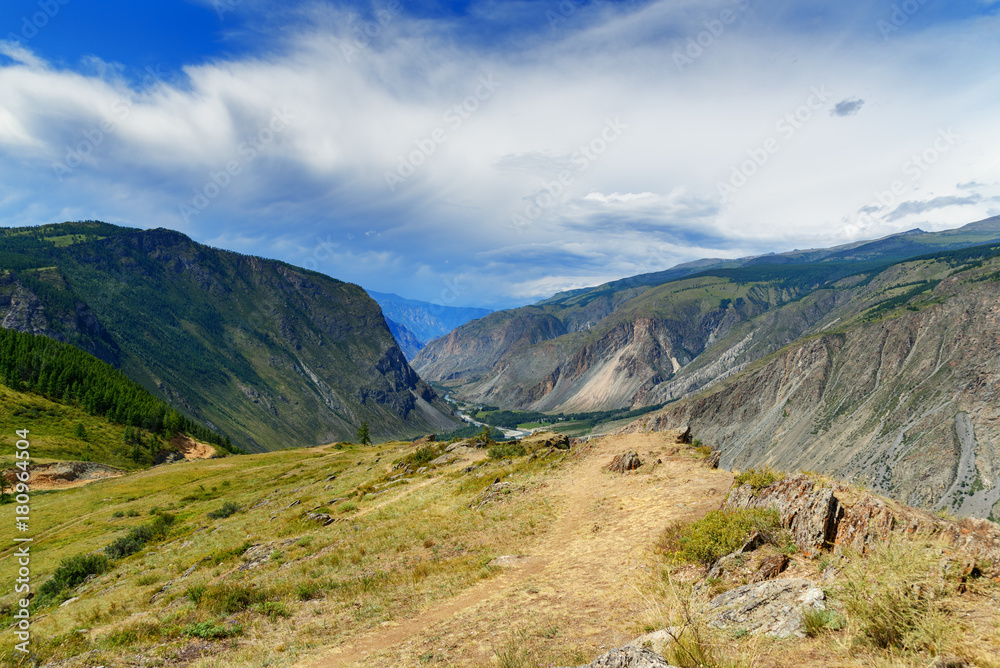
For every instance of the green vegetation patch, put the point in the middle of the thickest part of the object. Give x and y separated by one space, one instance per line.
760 478
719 533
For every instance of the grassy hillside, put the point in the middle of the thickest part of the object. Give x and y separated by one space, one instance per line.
334 556
268 353
55 432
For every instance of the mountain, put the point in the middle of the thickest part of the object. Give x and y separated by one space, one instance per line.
424 320
897 389
407 340
269 354
657 337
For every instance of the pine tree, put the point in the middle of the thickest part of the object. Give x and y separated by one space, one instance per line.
364 436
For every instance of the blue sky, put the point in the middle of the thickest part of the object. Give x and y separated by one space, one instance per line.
493 153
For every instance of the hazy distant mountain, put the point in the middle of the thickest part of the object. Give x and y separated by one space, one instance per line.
270 354
425 320
407 340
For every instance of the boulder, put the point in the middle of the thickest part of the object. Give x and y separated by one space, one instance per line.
546 439
629 657
625 462
657 641
443 460
424 440
458 444
322 518
774 607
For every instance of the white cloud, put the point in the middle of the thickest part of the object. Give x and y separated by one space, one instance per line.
322 178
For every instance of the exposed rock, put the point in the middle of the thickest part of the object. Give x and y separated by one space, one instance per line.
770 568
424 440
458 444
712 461
629 657
846 518
443 460
546 439
657 641
625 462
774 607
744 566
495 492
322 518
808 511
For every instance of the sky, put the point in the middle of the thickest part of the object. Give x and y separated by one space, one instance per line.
492 153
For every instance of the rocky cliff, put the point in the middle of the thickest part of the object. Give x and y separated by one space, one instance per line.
659 337
907 404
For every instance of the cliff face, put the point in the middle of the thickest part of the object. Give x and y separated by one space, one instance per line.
272 355
635 343
908 406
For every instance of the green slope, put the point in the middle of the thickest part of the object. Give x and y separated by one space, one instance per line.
270 354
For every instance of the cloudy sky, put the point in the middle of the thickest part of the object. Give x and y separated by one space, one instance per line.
494 152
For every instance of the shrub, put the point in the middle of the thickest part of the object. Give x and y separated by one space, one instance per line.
273 610
758 479
195 593
717 534
229 599
140 536
228 508
306 591
212 630
72 571
118 513
506 450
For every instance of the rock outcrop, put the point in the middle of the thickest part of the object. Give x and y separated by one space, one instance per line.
822 515
625 462
774 607
629 657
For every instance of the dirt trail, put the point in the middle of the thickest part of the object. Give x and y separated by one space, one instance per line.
578 578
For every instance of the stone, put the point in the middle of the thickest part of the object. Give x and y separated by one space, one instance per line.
322 518
443 460
546 439
424 440
625 462
629 657
770 568
712 461
657 641
458 444
774 607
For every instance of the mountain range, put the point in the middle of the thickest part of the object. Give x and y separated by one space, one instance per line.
414 323
874 362
269 354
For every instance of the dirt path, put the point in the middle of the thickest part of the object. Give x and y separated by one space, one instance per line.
585 565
